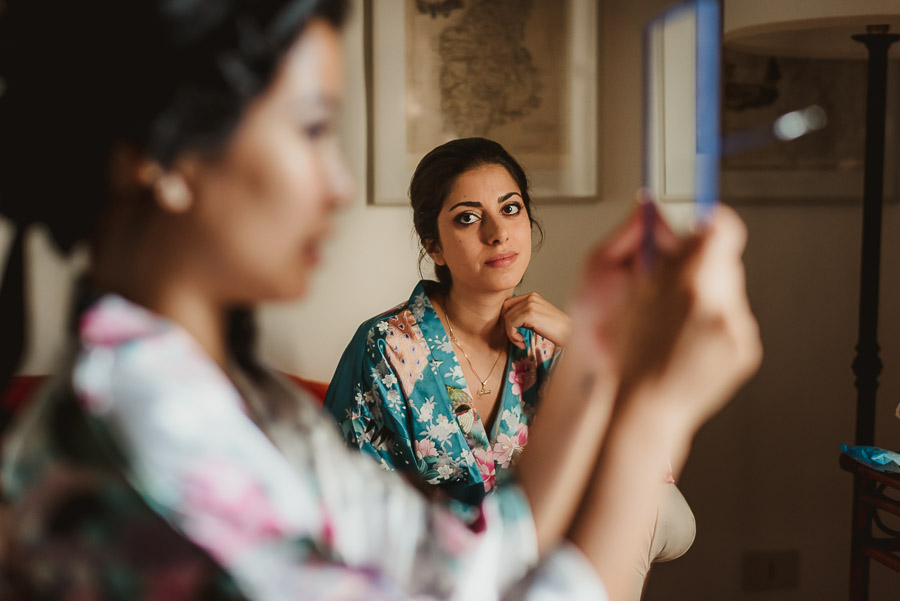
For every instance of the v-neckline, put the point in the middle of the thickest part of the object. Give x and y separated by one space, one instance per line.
490 434
490 430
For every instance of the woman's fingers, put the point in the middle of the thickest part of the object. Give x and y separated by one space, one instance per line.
686 326
699 322
664 237
535 313
512 320
724 282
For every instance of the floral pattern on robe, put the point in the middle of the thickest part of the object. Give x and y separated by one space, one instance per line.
399 394
144 472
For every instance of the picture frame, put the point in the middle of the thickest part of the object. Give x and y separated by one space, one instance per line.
823 167
522 72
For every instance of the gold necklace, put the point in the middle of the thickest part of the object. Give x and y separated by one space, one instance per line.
484 389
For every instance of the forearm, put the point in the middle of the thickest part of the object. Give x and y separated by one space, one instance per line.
624 490
563 445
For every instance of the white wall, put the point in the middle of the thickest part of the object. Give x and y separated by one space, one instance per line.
371 263
763 474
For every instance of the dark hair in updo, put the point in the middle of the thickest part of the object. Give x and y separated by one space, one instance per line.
80 78
434 178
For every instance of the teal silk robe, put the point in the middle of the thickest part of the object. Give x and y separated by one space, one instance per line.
399 394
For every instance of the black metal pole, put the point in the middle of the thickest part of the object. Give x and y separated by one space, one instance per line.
867 364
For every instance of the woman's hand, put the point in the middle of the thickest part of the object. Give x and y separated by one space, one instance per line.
532 311
700 341
681 333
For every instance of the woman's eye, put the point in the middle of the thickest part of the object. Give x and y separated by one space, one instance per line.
513 208
317 130
466 218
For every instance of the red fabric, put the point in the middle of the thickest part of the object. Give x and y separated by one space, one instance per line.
314 387
19 389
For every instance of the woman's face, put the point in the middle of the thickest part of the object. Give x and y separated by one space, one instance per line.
262 210
485 232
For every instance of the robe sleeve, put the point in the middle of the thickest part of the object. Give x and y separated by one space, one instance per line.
369 406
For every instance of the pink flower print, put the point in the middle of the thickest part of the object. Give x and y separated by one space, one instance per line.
229 511
425 448
484 458
113 320
503 450
543 348
522 435
407 350
522 375
452 534
328 530
507 448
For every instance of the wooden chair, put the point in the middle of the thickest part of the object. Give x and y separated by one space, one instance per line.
874 492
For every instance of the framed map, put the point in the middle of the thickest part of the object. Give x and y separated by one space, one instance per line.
823 167
522 72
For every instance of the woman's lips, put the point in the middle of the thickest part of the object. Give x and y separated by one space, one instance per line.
313 248
312 251
312 254
502 260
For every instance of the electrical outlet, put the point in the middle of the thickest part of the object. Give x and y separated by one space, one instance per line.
770 570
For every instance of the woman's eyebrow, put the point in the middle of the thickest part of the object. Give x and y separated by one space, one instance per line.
508 195
470 203
317 100
465 203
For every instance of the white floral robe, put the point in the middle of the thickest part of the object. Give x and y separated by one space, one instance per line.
143 473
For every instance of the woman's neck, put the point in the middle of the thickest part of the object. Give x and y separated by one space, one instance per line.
205 320
149 270
477 314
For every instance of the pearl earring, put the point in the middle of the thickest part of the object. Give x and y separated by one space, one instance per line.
172 192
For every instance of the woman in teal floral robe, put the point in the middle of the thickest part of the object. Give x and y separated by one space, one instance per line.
407 390
399 393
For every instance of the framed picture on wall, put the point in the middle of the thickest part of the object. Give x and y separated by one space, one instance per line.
522 72
825 166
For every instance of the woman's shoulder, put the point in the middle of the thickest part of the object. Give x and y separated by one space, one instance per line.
372 322
408 313
130 358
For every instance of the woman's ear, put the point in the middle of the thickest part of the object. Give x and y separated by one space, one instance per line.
433 248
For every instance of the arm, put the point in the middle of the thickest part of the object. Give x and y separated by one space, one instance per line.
656 354
690 345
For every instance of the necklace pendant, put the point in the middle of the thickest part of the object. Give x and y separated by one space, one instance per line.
484 390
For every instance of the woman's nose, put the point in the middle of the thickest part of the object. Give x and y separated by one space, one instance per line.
495 231
340 180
